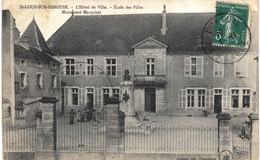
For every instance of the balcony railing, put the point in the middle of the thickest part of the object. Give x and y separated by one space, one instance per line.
150 79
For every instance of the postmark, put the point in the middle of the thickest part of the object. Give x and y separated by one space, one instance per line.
229 29
224 53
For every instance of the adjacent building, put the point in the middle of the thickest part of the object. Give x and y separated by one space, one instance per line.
31 71
169 69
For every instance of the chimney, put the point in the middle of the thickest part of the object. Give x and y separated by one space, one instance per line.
164 28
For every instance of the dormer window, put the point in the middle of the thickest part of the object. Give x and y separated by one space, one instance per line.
39 64
23 62
53 66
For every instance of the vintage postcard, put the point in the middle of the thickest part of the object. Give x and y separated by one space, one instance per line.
130 80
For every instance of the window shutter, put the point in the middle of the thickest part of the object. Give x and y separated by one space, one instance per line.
27 81
181 98
77 67
95 67
69 97
252 100
98 96
228 99
207 98
215 69
119 67
65 96
42 82
101 65
199 66
224 99
186 67
80 98
211 98
62 65
184 98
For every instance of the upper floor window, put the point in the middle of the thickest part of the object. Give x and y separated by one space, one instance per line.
241 68
150 66
111 66
193 67
23 62
70 66
54 81
39 80
23 80
39 64
90 67
218 68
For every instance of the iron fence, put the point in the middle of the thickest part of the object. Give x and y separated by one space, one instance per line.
84 130
241 144
19 137
171 139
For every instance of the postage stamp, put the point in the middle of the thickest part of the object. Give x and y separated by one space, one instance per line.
231 27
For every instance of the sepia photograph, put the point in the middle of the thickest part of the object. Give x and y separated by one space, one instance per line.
130 80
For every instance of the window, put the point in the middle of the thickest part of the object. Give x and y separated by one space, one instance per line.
23 62
235 98
54 81
190 98
90 67
116 93
53 66
218 68
39 64
75 96
19 113
246 98
105 95
193 67
39 80
23 80
70 66
111 66
241 68
150 66
201 98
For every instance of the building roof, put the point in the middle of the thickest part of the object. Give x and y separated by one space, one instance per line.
33 54
33 37
119 33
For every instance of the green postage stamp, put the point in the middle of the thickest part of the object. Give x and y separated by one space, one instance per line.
231 25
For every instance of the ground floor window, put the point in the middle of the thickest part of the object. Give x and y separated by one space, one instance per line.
19 113
234 98
246 98
105 96
190 98
75 96
116 93
201 98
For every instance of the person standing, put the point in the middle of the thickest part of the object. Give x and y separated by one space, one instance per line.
71 114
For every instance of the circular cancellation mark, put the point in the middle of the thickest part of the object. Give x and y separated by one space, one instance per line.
224 54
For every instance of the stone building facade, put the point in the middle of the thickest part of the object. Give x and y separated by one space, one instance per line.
168 67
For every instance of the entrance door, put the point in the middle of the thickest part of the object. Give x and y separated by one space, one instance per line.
217 103
150 100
